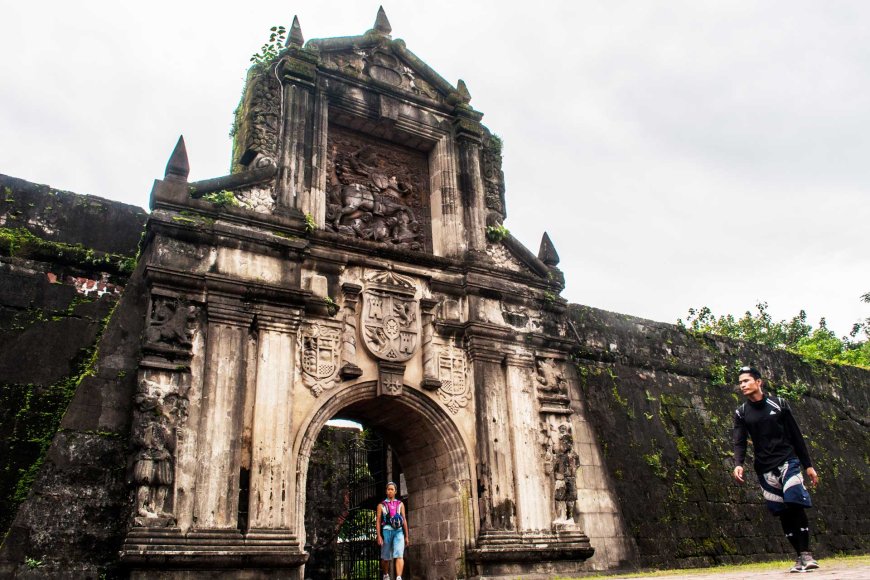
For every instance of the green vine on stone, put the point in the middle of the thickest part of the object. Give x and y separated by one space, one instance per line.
269 51
221 198
497 233
310 224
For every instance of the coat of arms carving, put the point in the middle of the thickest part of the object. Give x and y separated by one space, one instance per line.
319 346
455 391
390 317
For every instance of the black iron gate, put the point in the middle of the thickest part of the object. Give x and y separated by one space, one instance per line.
356 549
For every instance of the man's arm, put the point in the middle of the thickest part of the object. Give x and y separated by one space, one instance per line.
796 438
739 437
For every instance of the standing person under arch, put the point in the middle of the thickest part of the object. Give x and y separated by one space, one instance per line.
393 535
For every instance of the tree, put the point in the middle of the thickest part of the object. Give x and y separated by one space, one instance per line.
794 335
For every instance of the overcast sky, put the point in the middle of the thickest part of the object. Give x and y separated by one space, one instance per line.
678 153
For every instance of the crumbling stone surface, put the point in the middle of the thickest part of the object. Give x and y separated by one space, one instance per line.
662 400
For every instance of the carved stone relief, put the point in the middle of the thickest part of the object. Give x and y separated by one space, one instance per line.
261 121
502 258
455 390
561 462
170 323
377 191
380 65
390 317
521 318
161 408
319 349
493 176
259 199
550 377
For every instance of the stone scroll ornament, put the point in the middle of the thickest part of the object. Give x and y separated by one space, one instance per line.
161 409
319 348
390 326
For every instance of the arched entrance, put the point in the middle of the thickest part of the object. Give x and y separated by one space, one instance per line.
435 462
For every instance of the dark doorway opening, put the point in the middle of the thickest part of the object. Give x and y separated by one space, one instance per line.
347 473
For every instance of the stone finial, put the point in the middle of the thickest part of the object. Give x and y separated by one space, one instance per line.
547 253
382 25
295 37
178 167
462 89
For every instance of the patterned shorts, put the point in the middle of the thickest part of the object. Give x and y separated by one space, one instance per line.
784 485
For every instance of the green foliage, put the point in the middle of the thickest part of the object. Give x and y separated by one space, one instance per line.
794 335
222 198
23 243
497 233
719 375
310 223
654 460
269 51
33 563
794 391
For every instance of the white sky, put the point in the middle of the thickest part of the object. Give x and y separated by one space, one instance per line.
678 153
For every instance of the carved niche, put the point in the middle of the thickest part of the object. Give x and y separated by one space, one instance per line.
377 191
319 350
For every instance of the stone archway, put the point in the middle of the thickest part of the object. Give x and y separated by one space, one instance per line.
436 463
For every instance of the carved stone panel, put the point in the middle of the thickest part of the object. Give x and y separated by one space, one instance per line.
381 65
455 390
390 317
377 191
319 348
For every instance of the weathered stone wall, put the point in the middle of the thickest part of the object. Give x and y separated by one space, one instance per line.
661 401
64 260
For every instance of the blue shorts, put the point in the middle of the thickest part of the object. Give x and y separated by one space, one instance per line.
394 544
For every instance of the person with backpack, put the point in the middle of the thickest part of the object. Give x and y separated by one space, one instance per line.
393 536
780 451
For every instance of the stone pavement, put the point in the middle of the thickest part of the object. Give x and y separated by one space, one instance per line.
831 570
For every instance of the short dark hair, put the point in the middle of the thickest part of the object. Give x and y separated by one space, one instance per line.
751 370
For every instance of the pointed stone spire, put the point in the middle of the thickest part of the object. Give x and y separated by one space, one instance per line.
382 25
178 168
547 254
462 89
295 37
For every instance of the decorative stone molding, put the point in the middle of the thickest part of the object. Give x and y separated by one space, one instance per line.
391 377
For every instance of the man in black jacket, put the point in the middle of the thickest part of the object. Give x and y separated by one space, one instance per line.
780 451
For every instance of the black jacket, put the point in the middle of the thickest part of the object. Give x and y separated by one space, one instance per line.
775 434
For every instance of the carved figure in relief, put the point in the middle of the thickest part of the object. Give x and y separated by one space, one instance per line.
565 473
550 377
170 322
160 411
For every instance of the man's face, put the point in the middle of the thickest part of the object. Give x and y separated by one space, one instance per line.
749 386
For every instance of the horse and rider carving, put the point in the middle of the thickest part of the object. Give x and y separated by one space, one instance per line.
366 202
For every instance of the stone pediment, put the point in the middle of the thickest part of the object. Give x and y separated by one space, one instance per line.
376 58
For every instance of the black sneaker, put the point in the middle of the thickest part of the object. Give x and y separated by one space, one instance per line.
808 561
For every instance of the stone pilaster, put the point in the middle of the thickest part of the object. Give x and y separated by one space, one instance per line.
349 369
431 381
272 474
448 216
532 486
496 485
468 140
219 450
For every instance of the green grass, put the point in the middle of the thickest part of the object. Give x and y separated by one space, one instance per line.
839 561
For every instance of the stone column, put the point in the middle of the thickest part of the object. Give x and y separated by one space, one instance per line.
468 140
496 485
221 415
298 72
272 468
448 219
349 369
532 484
431 381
